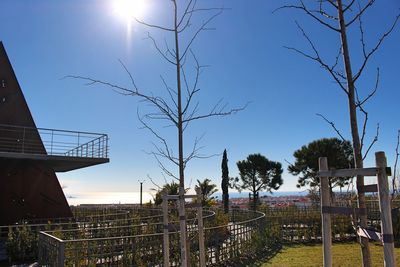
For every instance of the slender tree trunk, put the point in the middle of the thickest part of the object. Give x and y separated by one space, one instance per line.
254 195
182 215
366 258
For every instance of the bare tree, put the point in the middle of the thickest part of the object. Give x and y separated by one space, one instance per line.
338 16
180 107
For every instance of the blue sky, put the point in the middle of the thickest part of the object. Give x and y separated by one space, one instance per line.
48 39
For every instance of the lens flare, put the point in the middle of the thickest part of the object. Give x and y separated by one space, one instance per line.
129 9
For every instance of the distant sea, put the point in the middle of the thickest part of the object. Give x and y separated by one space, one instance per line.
134 197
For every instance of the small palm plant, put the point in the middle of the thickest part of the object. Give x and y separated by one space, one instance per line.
207 189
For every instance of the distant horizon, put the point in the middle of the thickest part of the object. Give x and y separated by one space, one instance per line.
93 198
134 197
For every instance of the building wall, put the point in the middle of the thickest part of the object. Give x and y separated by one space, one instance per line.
28 188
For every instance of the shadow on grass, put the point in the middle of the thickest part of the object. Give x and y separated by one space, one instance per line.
255 260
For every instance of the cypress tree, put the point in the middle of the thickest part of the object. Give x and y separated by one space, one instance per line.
225 182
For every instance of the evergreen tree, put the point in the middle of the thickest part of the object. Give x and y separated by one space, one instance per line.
338 152
225 182
257 173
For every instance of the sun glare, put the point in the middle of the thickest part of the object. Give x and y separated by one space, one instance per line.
129 9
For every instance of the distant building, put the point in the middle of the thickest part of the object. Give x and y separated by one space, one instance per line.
31 156
302 202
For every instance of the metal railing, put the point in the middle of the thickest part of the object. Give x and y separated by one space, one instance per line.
84 218
109 218
145 247
21 139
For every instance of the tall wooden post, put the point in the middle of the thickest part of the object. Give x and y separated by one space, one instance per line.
141 194
182 225
326 217
384 206
200 227
61 253
166 230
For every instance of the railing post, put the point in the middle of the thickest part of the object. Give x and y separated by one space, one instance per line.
183 230
51 144
384 206
200 227
103 142
61 254
326 217
166 230
99 149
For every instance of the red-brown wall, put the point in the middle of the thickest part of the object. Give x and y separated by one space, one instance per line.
28 188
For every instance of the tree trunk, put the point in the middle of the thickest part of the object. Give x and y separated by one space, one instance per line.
254 193
358 160
182 215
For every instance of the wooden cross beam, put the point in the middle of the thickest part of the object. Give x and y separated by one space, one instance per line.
353 172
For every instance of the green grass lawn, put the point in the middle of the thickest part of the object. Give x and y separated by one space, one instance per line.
345 254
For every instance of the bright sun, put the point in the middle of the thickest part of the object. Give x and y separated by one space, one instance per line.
129 9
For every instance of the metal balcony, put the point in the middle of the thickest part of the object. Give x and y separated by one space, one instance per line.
61 149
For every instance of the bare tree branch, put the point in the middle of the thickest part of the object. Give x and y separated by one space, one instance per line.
364 129
324 13
318 59
309 13
166 152
359 105
362 102
168 50
172 93
191 5
164 55
155 184
163 168
201 28
359 14
154 26
373 141
194 154
332 2
216 114
375 48
333 126
348 7
156 101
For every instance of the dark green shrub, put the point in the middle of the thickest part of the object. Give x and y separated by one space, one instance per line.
21 244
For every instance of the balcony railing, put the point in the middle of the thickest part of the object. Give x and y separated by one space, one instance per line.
28 140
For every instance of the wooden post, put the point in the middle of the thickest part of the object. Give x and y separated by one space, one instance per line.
182 224
326 217
166 230
200 227
384 206
61 254
141 194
